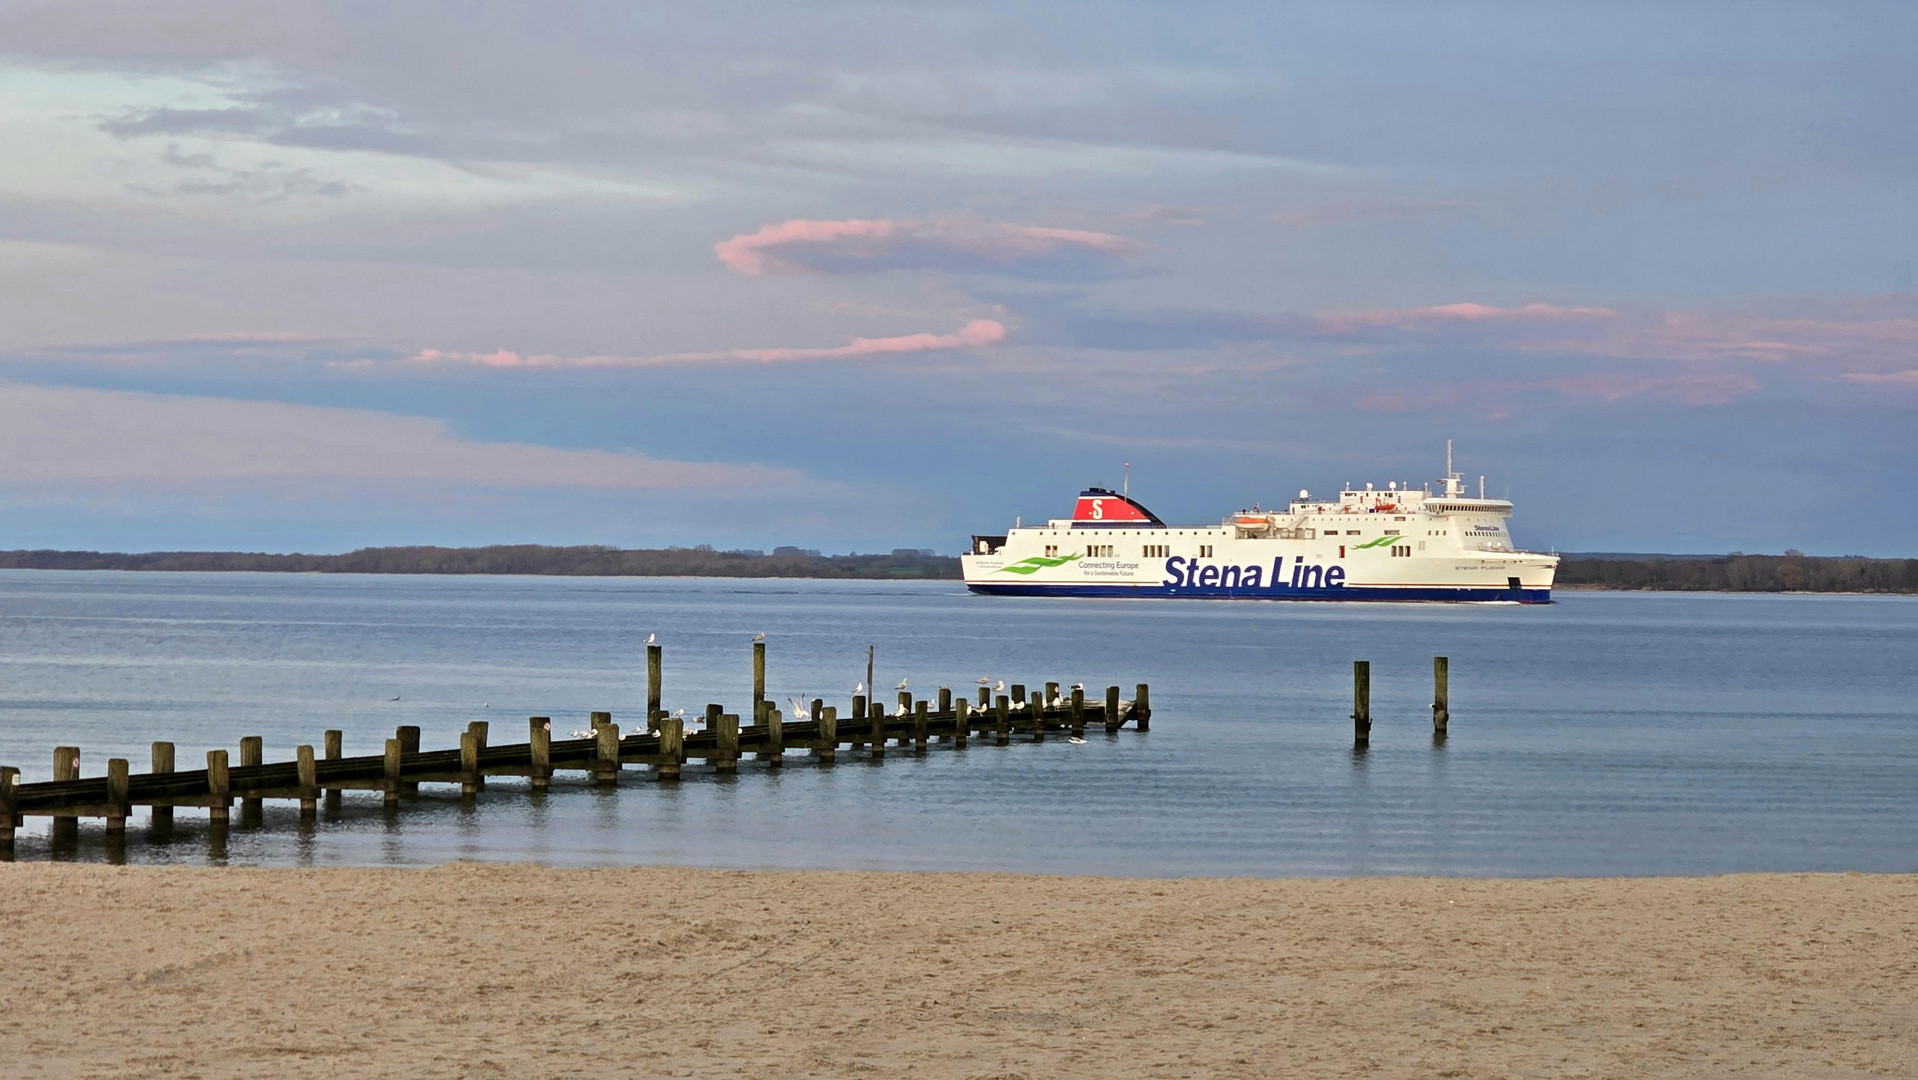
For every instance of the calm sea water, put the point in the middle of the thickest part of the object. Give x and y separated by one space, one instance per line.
1605 734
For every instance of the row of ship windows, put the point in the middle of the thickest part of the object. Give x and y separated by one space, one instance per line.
1148 551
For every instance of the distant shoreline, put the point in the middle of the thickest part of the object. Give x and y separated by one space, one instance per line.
1788 573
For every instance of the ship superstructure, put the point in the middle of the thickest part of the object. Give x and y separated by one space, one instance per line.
1399 543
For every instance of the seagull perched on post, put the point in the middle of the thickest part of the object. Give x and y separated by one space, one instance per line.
902 684
859 688
652 639
999 687
759 637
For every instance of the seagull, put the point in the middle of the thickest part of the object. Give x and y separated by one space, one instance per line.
859 689
999 687
395 697
801 711
1079 686
579 735
652 639
486 704
1075 740
759 637
902 684
986 680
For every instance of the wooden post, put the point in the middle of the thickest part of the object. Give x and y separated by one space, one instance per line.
1018 694
469 763
409 736
775 753
655 674
919 726
1002 720
1141 708
66 766
727 727
1441 693
985 697
252 752
1078 715
162 763
393 783
759 675
961 722
606 751
878 717
1039 721
1361 701
713 713
905 709
9 805
827 748
334 741
858 714
117 795
309 780
479 729
219 785
672 748
1112 709
945 700
539 751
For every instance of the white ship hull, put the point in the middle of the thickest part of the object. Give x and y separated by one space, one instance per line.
1370 545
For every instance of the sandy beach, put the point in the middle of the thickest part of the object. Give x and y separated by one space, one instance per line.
470 970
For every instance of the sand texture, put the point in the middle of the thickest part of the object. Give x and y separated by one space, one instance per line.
525 971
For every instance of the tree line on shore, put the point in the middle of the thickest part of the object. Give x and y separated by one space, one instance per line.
1790 572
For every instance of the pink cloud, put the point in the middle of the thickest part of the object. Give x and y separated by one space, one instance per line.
785 248
976 334
1908 377
1443 314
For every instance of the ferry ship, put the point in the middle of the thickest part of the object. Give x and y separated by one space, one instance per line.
1401 543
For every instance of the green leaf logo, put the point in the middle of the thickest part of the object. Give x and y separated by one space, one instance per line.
1380 542
1036 564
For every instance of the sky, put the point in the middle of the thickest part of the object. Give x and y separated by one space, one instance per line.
306 276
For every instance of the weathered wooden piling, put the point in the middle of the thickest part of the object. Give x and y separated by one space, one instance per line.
1361 701
877 746
985 697
252 752
539 751
409 736
1017 692
856 720
826 747
469 763
606 750
219 788
1076 721
759 675
391 784
672 748
335 745
1002 720
726 726
1441 694
479 729
162 818
1141 708
774 755
961 723
1112 717
117 805
66 766
655 674
309 779
920 723
9 802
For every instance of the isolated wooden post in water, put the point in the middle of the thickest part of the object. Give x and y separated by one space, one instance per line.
1441 693
309 780
335 744
1362 701
1112 709
606 751
1002 720
672 748
1141 707
117 795
409 736
539 751
759 675
726 725
827 748
219 786
392 785
162 763
878 717
654 676
252 752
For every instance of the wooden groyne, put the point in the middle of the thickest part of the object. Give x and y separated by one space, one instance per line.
667 744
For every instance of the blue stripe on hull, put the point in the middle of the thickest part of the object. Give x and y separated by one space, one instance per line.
1346 593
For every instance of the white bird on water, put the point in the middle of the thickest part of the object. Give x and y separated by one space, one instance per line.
486 704
1075 740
